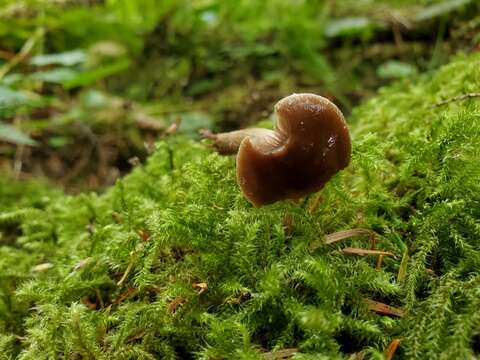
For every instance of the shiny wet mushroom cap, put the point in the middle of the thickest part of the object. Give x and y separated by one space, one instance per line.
310 144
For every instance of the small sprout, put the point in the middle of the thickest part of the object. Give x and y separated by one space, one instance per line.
310 144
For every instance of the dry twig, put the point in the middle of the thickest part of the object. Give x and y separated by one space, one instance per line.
457 98
129 268
359 251
280 354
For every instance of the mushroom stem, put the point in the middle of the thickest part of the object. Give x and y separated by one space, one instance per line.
228 143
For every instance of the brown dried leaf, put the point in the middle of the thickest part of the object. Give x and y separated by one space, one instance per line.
391 348
90 304
175 304
127 271
344 234
201 287
144 235
384 309
359 251
125 295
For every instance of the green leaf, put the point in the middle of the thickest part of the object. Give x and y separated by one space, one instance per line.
440 9
94 99
68 58
192 122
56 76
58 141
396 69
12 79
10 99
348 26
11 134
88 77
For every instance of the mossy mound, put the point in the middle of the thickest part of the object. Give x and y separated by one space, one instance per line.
174 263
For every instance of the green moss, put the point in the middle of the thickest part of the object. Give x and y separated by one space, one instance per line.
127 268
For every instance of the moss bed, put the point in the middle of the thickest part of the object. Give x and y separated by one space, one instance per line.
173 263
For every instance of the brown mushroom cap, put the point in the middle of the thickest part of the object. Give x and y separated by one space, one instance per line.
309 145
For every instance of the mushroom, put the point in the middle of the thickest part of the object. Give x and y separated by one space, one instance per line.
310 144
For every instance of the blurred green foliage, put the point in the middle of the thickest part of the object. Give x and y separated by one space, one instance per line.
204 63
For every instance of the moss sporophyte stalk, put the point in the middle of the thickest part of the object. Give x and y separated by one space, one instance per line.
173 262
